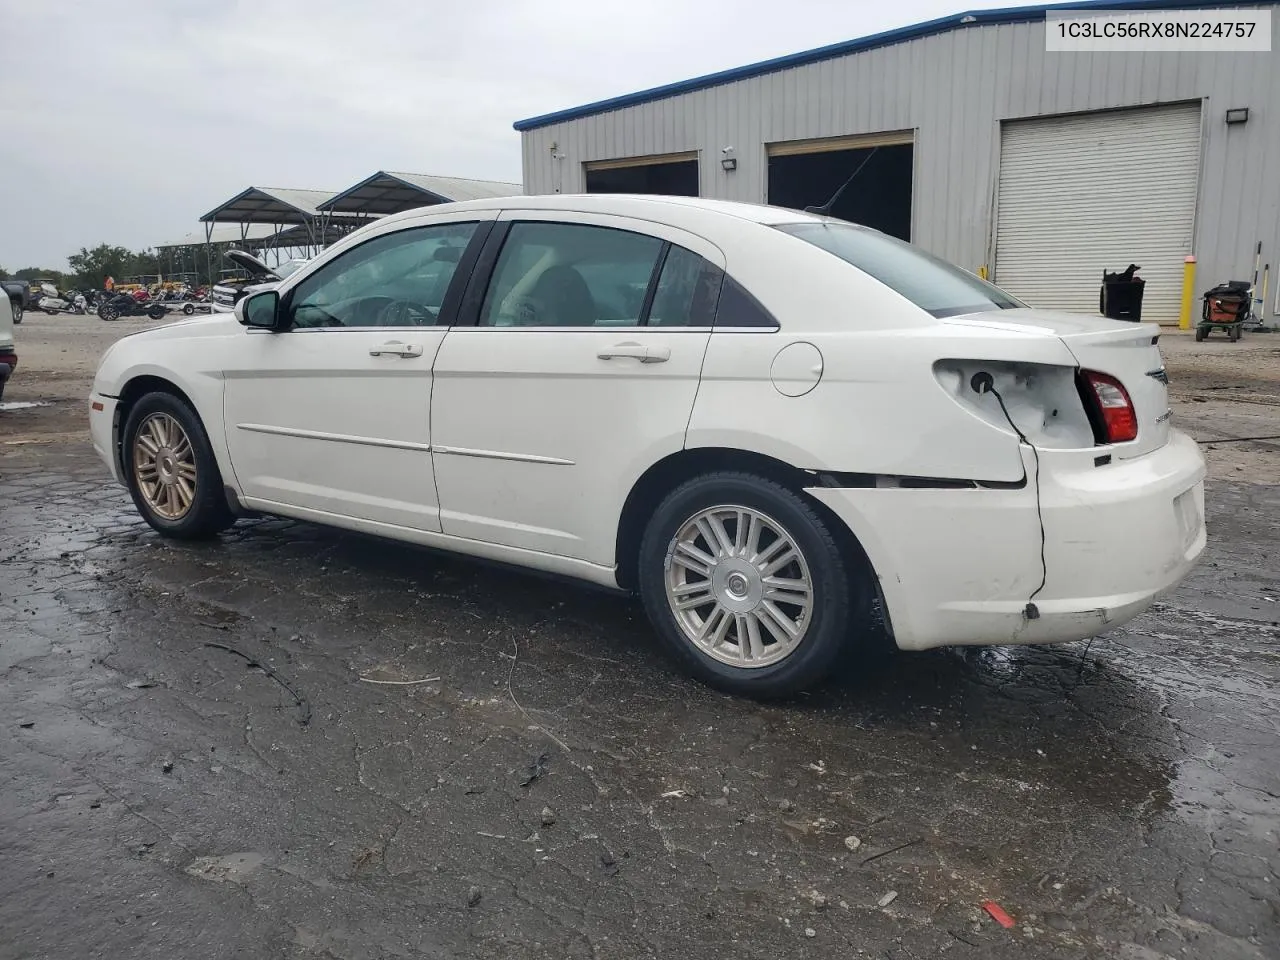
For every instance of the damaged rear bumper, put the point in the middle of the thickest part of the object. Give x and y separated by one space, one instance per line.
959 566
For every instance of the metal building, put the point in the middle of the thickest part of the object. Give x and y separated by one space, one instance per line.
1045 169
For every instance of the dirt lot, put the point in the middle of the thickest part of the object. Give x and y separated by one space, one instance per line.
437 759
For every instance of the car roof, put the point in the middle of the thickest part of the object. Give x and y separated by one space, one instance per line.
642 206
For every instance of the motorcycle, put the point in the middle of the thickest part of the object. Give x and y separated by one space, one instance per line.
120 305
56 305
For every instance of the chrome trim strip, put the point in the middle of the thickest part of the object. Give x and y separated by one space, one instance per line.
499 455
339 437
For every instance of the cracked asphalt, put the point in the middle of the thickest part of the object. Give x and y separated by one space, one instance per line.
443 759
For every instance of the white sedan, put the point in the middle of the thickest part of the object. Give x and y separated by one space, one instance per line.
762 421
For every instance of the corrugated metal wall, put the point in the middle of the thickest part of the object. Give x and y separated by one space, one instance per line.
954 89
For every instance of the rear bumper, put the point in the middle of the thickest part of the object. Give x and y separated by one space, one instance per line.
102 419
959 566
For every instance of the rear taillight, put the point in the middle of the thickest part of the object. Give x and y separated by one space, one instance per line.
1115 420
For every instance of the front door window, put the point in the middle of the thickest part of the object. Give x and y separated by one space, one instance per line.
396 280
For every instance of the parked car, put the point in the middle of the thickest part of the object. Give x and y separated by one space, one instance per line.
762 421
253 275
21 297
8 350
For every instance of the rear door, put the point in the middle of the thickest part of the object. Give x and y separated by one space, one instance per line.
574 368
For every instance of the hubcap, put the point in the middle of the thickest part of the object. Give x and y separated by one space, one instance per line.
739 586
164 466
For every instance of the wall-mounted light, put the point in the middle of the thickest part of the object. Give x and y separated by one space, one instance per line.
1238 115
727 160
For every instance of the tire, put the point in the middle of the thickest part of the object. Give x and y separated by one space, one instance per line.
17 312
196 509
838 598
50 311
188 308
1235 333
1201 333
108 313
156 313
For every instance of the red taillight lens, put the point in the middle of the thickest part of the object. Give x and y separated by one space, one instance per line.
1119 421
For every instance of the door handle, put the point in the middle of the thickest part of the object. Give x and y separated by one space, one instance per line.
636 351
394 348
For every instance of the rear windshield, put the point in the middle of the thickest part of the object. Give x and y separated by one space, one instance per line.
932 284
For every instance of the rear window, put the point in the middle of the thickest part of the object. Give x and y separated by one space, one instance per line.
929 282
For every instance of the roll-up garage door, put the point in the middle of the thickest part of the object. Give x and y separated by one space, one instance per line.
1086 193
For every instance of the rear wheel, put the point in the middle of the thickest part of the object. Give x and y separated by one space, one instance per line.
108 313
17 312
155 313
748 586
189 309
171 471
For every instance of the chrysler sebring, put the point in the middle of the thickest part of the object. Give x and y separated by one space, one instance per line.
766 423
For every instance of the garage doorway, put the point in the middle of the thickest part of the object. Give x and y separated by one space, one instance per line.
1084 193
805 173
670 174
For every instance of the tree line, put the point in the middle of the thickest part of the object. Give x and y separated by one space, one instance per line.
89 269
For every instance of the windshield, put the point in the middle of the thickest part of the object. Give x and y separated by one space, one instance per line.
929 282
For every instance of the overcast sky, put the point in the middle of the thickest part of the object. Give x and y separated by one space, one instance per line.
122 121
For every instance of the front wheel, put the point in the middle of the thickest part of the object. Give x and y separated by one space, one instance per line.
108 313
748 585
17 313
171 471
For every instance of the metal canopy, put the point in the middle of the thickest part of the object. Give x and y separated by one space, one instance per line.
388 192
269 205
221 233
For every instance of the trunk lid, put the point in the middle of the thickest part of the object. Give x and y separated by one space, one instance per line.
1126 351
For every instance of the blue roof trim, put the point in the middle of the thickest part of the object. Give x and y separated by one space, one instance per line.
844 48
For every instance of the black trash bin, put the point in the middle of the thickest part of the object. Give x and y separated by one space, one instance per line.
1121 295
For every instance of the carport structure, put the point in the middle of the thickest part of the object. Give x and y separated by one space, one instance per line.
294 216
185 255
387 192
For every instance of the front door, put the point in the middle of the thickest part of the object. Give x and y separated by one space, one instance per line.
578 369
331 416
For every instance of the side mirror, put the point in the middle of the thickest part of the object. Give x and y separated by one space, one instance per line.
259 310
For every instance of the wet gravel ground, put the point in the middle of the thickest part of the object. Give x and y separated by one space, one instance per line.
297 743
560 791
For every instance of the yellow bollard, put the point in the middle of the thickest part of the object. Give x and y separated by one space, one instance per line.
1188 292
982 272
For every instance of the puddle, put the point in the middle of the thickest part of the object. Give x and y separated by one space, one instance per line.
23 404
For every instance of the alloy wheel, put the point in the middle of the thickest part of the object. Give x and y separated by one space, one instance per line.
739 586
164 466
